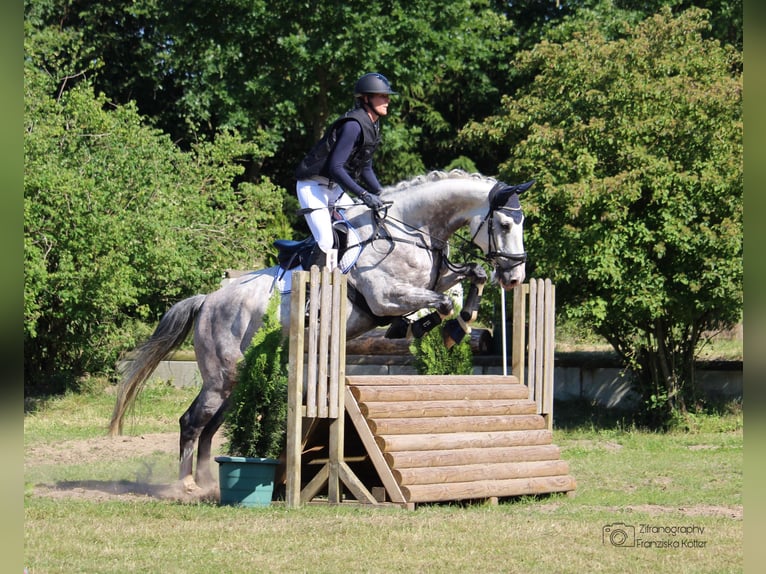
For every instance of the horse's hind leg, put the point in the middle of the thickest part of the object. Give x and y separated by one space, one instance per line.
204 449
192 423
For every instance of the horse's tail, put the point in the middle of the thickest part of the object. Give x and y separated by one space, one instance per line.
171 331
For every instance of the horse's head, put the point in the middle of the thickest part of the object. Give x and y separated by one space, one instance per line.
500 234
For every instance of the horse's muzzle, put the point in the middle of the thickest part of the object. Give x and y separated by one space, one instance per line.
510 273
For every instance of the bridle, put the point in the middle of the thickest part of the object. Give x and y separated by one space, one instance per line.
494 255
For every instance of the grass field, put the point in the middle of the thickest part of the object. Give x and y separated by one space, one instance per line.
677 497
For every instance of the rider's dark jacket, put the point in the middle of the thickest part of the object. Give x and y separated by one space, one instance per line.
341 138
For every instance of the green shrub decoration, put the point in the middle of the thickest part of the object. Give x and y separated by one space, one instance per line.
256 423
433 358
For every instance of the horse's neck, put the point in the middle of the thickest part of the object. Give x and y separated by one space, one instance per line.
442 206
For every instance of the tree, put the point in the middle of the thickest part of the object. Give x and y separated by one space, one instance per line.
288 68
637 216
119 222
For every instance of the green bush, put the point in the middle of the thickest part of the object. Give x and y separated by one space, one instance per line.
255 425
433 358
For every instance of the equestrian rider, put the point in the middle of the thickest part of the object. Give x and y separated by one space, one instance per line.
342 160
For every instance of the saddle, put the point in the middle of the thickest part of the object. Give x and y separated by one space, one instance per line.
291 253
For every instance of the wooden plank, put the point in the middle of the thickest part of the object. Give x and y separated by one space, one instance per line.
316 485
474 472
380 409
438 392
425 458
488 488
295 391
532 342
432 425
335 328
393 443
518 342
313 344
324 344
539 343
341 311
376 457
422 380
356 486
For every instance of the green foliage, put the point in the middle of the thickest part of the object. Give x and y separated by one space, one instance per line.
202 67
256 423
432 357
119 223
637 215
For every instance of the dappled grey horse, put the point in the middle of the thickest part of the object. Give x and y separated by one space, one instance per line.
399 266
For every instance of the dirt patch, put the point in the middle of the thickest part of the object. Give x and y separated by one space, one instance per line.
96 449
115 448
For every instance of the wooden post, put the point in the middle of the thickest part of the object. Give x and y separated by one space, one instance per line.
550 348
337 332
295 390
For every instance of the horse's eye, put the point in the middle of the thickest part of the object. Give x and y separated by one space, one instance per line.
506 227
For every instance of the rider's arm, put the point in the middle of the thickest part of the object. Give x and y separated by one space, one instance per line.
348 133
370 179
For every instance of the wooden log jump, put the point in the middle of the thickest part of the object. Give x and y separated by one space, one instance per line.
464 449
426 438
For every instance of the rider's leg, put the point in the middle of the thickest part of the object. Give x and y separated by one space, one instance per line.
315 196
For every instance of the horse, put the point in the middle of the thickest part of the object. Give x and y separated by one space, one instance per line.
400 266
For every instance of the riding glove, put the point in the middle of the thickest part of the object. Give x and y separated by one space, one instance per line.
372 201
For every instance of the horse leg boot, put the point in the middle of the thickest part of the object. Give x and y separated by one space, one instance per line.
455 329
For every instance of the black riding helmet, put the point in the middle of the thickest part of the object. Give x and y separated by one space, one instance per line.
372 83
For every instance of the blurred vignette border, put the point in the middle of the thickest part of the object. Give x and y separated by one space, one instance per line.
755 273
12 286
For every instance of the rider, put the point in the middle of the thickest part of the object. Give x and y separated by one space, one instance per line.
341 160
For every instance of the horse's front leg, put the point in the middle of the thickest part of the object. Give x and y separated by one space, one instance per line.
454 274
455 329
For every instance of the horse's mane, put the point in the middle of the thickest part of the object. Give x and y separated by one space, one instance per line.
437 175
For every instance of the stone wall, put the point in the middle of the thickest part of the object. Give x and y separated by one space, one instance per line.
593 377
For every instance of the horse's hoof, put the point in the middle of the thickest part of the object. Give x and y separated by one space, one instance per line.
189 485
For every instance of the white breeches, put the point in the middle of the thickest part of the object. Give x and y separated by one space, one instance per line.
318 197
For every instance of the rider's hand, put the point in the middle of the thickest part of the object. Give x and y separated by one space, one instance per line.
372 201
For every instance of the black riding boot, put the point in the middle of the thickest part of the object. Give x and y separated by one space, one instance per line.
318 258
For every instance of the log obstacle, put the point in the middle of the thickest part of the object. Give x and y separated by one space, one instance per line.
413 439
445 438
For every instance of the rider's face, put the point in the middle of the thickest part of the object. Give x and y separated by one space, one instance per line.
379 103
